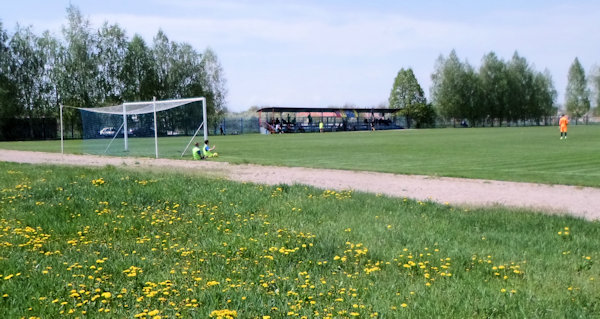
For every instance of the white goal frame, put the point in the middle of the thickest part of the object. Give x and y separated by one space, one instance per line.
132 108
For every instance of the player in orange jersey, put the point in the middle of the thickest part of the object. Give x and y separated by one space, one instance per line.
563 122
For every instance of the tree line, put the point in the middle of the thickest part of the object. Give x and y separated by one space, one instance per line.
91 68
498 93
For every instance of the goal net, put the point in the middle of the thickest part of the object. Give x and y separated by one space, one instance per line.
145 129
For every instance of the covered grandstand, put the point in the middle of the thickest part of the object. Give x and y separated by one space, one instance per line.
305 119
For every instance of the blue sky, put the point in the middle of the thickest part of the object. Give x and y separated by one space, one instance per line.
330 53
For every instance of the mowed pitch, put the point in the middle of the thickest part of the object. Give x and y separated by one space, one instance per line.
524 154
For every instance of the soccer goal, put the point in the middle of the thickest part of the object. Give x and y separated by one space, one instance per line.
134 128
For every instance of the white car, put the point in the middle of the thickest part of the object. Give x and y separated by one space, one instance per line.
107 132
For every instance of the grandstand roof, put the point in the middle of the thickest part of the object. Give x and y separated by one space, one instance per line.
326 109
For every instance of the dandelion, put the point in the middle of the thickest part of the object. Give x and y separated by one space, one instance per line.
223 314
98 182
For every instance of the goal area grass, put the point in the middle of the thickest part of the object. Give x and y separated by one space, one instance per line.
523 154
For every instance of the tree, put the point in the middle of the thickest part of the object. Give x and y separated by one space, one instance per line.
4 51
470 95
185 69
112 49
494 82
520 83
408 96
95 67
53 53
544 95
77 82
9 105
577 94
424 115
595 83
161 51
28 71
214 80
456 91
445 87
185 80
138 74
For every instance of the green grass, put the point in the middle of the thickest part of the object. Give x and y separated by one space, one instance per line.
111 243
531 154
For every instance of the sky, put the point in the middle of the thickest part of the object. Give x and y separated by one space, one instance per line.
321 53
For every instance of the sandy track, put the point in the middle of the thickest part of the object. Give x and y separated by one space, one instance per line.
583 202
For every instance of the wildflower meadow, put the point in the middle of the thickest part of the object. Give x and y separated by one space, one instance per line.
116 243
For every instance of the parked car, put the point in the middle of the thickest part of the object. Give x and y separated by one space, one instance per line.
141 132
107 132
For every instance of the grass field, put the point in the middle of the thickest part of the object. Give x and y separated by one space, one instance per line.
530 154
110 243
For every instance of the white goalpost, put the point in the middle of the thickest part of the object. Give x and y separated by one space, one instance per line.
136 110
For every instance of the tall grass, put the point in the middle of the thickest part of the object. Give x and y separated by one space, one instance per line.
531 154
107 243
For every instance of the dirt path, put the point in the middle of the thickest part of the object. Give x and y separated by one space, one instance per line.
578 201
